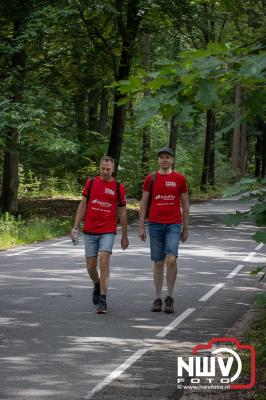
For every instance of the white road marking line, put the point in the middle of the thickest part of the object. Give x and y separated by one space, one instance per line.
117 372
235 271
175 322
259 246
24 251
58 243
136 356
248 258
211 292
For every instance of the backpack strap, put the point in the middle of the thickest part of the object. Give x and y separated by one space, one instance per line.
117 191
119 203
89 190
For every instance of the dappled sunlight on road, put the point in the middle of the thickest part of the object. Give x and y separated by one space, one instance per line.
54 345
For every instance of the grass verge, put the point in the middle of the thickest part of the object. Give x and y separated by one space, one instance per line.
14 232
256 336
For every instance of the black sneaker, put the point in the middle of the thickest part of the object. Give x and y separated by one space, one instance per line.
157 305
96 294
102 307
168 305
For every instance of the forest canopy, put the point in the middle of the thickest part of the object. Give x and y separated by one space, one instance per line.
80 79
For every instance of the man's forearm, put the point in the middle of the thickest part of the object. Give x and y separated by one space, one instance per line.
185 209
185 219
80 214
185 215
142 213
123 220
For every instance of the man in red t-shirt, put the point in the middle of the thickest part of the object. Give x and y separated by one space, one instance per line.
101 197
168 189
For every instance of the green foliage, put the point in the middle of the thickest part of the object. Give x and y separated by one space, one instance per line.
256 213
243 186
256 335
29 183
261 299
257 271
72 52
236 219
49 186
198 81
130 169
15 232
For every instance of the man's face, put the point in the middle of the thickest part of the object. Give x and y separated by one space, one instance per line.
165 160
106 170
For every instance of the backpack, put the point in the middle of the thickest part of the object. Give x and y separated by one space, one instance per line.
117 191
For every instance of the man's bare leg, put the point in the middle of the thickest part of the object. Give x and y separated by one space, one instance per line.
171 273
158 277
170 279
104 261
158 284
93 273
91 263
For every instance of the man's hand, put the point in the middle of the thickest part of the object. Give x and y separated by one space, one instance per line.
142 233
184 235
74 233
124 242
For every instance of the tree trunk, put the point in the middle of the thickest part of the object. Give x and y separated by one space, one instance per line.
128 34
79 104
258 154
146 130
244 150
263 154
93 117
209 140
103 111
236 136
211 172
9 197
173 136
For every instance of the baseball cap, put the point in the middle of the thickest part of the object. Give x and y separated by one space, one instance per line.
165 150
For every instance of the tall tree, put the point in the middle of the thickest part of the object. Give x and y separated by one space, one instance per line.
207 172
260 150
145 153
173 135
243 150
9 197
237 132
103 117
128 20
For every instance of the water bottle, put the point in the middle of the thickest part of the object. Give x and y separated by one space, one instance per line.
74 236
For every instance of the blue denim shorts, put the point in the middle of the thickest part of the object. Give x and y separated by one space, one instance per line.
97 243
164 239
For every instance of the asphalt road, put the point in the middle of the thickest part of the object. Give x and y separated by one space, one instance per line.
53 345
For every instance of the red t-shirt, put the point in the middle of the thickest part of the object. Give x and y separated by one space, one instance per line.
165 203
100 215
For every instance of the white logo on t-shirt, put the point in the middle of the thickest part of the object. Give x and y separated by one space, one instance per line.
109 191
102 203
170 183
164 197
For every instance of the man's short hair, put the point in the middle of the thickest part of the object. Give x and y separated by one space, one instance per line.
107 158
